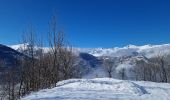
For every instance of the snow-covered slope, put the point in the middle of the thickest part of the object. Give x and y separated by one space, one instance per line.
103 89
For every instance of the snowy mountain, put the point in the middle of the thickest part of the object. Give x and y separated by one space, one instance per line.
103 89
146 50
19 46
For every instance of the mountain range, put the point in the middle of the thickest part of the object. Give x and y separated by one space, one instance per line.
130 50
91 59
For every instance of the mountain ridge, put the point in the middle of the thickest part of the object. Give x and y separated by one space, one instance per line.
146 50
9 56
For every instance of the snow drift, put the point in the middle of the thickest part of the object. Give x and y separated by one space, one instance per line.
103 89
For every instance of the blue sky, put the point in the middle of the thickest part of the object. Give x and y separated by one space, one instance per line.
89 23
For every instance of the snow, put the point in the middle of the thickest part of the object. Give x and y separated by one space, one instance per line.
146 50
25 46
19 46
103 89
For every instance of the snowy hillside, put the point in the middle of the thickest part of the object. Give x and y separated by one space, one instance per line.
103 89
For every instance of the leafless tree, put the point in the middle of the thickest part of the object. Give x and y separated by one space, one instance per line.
162 63
56 40
109 66
9 82
38 69
155 69
122 73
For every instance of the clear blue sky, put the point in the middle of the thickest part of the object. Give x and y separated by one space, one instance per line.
90 23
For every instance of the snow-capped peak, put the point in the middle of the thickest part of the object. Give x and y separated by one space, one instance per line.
19 46
146 50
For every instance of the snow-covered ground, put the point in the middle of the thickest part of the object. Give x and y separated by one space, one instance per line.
103 89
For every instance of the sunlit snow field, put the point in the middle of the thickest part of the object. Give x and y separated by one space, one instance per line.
103 89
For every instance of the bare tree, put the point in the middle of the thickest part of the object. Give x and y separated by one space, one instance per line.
155 69
62 65
109 66
28 77
56 40
38 69
162 63
8 85
68 69
122 73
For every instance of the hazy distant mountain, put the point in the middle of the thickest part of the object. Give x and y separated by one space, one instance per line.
9 58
